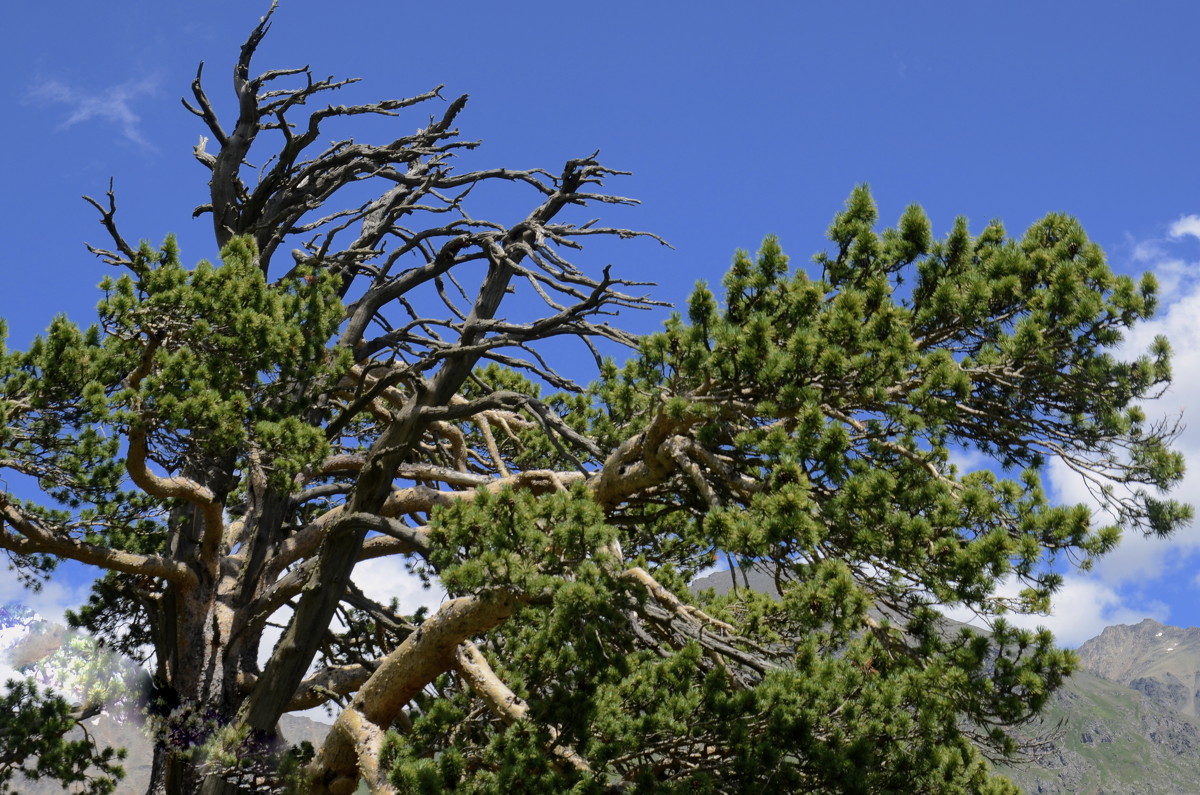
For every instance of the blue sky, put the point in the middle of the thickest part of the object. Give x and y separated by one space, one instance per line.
737 121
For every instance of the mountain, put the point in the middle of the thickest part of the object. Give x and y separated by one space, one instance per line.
1161 661
1098 736
54 656
1126 724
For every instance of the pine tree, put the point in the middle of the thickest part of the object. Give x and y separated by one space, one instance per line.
34 745
229 441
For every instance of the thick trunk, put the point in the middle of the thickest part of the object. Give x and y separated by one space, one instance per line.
158 772
196 704
173 775
202 654
193 713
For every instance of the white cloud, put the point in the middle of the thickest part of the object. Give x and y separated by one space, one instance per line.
1140 557
113 105
51 601
1174 276
1083 607
383 579
1145 250
968 460
1137 559
1186 225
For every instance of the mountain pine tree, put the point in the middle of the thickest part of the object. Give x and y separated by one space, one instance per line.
229 441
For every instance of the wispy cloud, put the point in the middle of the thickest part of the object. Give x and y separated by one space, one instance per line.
52 601
1165 257
113 105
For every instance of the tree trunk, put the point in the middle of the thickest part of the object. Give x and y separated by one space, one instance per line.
203 652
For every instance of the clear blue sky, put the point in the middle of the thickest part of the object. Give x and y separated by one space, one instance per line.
737 121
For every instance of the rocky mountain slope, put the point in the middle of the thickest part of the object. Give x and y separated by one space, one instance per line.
1098 736
1128 722
1160 661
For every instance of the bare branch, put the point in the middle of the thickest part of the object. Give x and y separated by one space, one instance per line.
503 702
125 255
336 680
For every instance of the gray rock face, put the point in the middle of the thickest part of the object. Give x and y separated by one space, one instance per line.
1161 661
1168 691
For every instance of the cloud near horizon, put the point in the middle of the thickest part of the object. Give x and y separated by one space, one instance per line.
113 105
1083 607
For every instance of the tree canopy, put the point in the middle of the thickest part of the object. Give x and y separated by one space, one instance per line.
229 441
